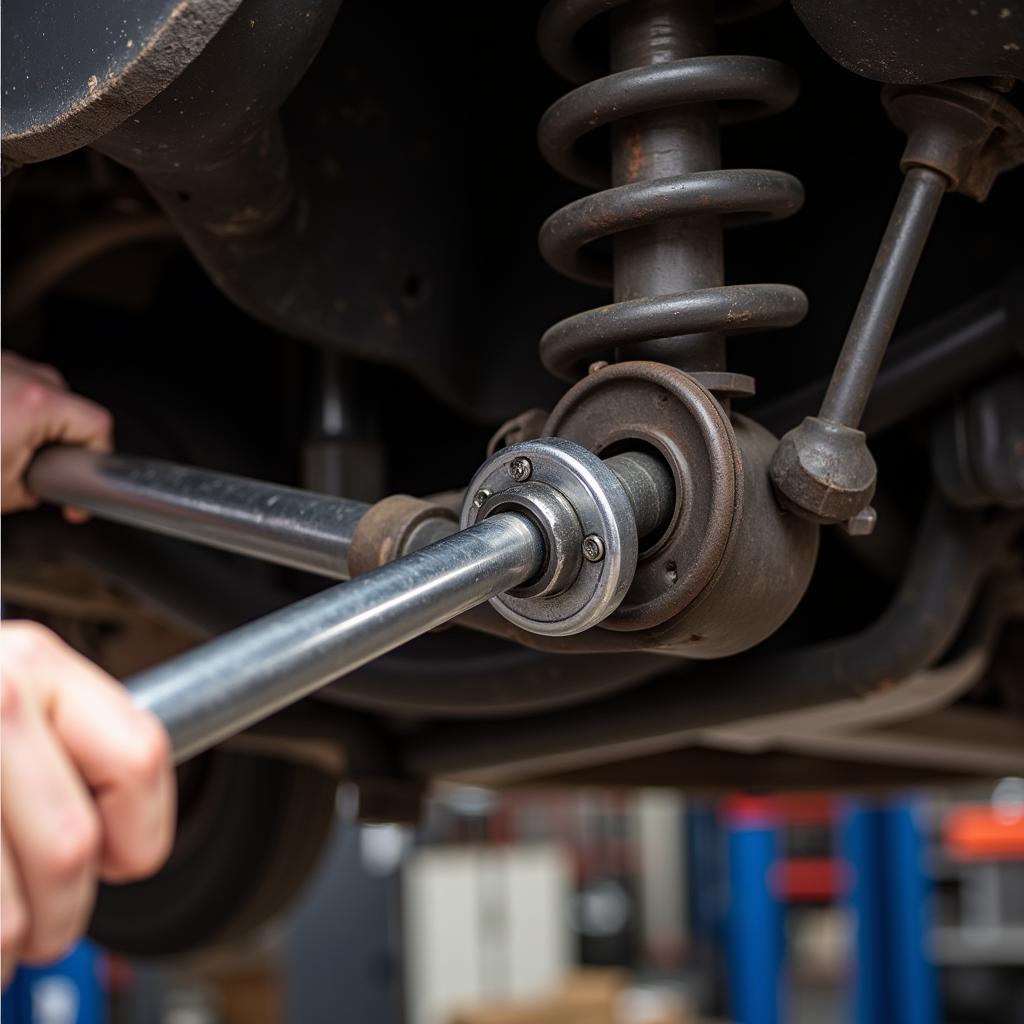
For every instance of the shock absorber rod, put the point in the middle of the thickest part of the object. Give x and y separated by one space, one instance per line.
266 521
220 688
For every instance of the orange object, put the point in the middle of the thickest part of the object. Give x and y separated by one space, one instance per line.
977 832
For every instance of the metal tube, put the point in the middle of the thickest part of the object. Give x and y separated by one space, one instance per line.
277 524
923 365
224 686
651 489
883 296
270 522
676 255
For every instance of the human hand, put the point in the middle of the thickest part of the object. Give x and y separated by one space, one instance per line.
86 792
37 409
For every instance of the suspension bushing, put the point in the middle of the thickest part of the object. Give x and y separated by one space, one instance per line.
730 565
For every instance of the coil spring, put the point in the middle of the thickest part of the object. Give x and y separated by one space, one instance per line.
747 87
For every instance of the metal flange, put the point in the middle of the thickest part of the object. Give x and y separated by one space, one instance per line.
651 406
589 528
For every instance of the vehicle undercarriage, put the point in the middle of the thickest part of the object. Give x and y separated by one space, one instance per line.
293 246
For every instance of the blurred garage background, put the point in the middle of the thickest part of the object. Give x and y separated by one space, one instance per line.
615 907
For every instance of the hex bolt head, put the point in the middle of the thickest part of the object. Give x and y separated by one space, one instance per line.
520 469
593 548
481 497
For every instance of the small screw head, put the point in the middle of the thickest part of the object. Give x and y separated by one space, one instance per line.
480 497
593 548
520 469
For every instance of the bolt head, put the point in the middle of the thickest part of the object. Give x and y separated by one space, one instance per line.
520 469
481 497
593 548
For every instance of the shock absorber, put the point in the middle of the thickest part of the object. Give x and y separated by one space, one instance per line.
651 372
668 199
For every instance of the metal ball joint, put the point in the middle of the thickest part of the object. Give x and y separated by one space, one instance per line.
823 471
587 519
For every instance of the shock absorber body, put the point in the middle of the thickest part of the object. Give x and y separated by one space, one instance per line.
671 256
669 198
730 566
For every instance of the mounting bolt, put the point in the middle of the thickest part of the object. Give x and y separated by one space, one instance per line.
480 497
520 469
593 548
862 523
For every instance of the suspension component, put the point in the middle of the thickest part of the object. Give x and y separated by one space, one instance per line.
586 516
727 567
961 135
668 198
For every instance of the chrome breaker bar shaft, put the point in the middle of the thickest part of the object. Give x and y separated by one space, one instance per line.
223 686
266 521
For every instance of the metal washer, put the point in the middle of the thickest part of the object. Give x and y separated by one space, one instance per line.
601 507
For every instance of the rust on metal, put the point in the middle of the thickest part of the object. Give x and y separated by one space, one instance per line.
389 528
669 197
131 77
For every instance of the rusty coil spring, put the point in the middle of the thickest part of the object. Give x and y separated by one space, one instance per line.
747 87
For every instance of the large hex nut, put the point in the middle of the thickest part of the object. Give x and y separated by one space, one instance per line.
823 471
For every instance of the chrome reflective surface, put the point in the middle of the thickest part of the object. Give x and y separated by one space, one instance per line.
601 507
224 686
266 521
